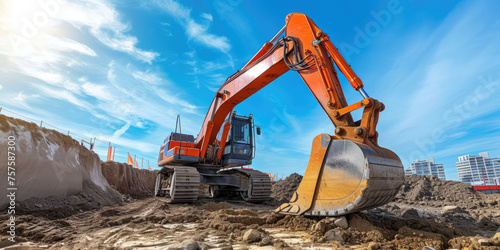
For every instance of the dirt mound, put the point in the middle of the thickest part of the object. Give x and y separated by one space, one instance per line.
431 191
428 187
126 179
282 191
50 164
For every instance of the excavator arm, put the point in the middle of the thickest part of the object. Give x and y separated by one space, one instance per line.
309 51
346 172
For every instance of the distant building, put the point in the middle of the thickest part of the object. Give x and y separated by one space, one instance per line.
479 170
427 167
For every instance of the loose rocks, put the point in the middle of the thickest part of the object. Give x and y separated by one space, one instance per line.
252 235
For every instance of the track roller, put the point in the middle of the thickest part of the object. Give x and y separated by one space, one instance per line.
178 184
255 185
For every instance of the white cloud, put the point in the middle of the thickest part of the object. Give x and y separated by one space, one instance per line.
73 87
207 16
140 146
209 66
104 23
193 60
146 101
67 66
100 92
120 131
206 69
195 31
66 44
199 33
121 42
1 87
147 77
111 72
20 99
63 95
46 76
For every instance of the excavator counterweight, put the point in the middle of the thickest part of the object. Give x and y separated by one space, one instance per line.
347 171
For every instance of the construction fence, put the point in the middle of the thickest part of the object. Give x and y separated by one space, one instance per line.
89 141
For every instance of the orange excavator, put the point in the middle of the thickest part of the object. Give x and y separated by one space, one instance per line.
347 172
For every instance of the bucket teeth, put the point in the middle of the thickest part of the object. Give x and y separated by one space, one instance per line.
344 177
288 208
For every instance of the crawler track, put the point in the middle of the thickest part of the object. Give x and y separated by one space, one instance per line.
259 184
178 184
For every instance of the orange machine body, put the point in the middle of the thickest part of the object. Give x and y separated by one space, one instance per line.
177 151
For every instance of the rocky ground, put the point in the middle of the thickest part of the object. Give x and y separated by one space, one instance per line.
427 212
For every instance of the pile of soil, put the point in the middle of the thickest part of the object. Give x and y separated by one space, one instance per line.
428 187
126 179
54 166
283 190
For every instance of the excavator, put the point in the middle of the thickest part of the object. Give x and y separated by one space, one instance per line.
346 172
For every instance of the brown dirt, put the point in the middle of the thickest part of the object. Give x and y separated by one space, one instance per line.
14 126
53 167
144 223
282 191
126 179
90 198
214 206
417 188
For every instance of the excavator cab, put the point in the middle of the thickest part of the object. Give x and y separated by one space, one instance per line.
240 145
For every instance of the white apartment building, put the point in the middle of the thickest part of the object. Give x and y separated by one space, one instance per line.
479 170
427 167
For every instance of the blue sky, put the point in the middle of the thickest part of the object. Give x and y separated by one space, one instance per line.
122 71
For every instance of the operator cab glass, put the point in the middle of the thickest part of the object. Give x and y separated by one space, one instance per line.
241 131
239 146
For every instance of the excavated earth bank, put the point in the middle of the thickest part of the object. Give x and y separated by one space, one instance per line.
126 179
52 172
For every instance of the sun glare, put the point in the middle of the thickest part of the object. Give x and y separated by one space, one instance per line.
24 23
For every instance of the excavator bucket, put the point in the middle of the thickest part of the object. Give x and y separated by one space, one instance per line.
345 176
